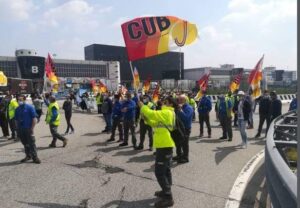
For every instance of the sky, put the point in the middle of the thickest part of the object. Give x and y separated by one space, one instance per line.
235 32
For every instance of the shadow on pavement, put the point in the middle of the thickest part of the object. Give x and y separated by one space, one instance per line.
146 203
222 152
142 159
193 138
101 144
49 136
47 205
113 148
150 170
92 134
210 141
13 163
126 153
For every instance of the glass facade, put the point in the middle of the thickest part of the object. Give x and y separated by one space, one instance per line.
81 70
9 68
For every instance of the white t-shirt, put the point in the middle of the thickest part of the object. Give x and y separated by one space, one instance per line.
240 110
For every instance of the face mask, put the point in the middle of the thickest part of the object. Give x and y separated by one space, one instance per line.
145 101
21 102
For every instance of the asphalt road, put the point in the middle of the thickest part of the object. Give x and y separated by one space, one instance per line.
90 173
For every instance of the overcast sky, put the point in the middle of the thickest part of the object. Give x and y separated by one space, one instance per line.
231 31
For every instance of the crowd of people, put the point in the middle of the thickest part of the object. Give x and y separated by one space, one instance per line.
167 122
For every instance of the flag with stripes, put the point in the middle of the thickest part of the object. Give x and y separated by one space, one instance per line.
203 85
235 84
255 78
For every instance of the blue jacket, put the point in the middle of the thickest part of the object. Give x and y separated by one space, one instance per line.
116 111
293 105
204 105
186 115
131 106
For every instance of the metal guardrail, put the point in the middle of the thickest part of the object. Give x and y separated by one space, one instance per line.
281 180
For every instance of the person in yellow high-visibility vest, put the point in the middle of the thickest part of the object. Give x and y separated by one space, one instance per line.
53 119
11 109
162 122
99 101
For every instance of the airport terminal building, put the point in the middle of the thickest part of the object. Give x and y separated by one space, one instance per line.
72 73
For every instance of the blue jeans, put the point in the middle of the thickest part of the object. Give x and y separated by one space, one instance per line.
242 128
108 121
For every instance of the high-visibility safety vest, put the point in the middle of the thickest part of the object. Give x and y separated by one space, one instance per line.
12 109
49 114
192 103
228 110
160 121
98 100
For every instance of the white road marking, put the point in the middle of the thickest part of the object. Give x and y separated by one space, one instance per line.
241 182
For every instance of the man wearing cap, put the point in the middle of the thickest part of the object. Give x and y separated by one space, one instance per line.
244 109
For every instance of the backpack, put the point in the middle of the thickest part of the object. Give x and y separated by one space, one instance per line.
178 133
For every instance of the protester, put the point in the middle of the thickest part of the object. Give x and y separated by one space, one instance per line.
106 110
25 117
276 106
250 120
293 104
67 106
264 112
144 128
37 103
185 113
99 100
3 118
204 107
117 118
193 104
161 120
225 116
53 120
235 108
244 109
11 109
128 108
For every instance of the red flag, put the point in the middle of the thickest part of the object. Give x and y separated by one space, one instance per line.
235 84
146 86
102 86
255 78
49 70
203 84
155 96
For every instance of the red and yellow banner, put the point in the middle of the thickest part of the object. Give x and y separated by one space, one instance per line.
203 84
136 79
146 86
155 96
150 36
102 87
49 70
255 78
235 84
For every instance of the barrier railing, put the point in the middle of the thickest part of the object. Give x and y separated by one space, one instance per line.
281 161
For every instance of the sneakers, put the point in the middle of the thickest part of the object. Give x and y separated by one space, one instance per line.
183 160
167 202
123 144
52 145
27 158
37 160
65 142
139 147
257 135
110 140
159 194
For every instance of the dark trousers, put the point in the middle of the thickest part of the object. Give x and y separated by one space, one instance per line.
28 142
163 170
182 149
13 128
39 113
262 119
4 125
69 125
235 121
99 108
204 117
194 115
107 118
55 134
226 126
144 128
117 123
129 125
